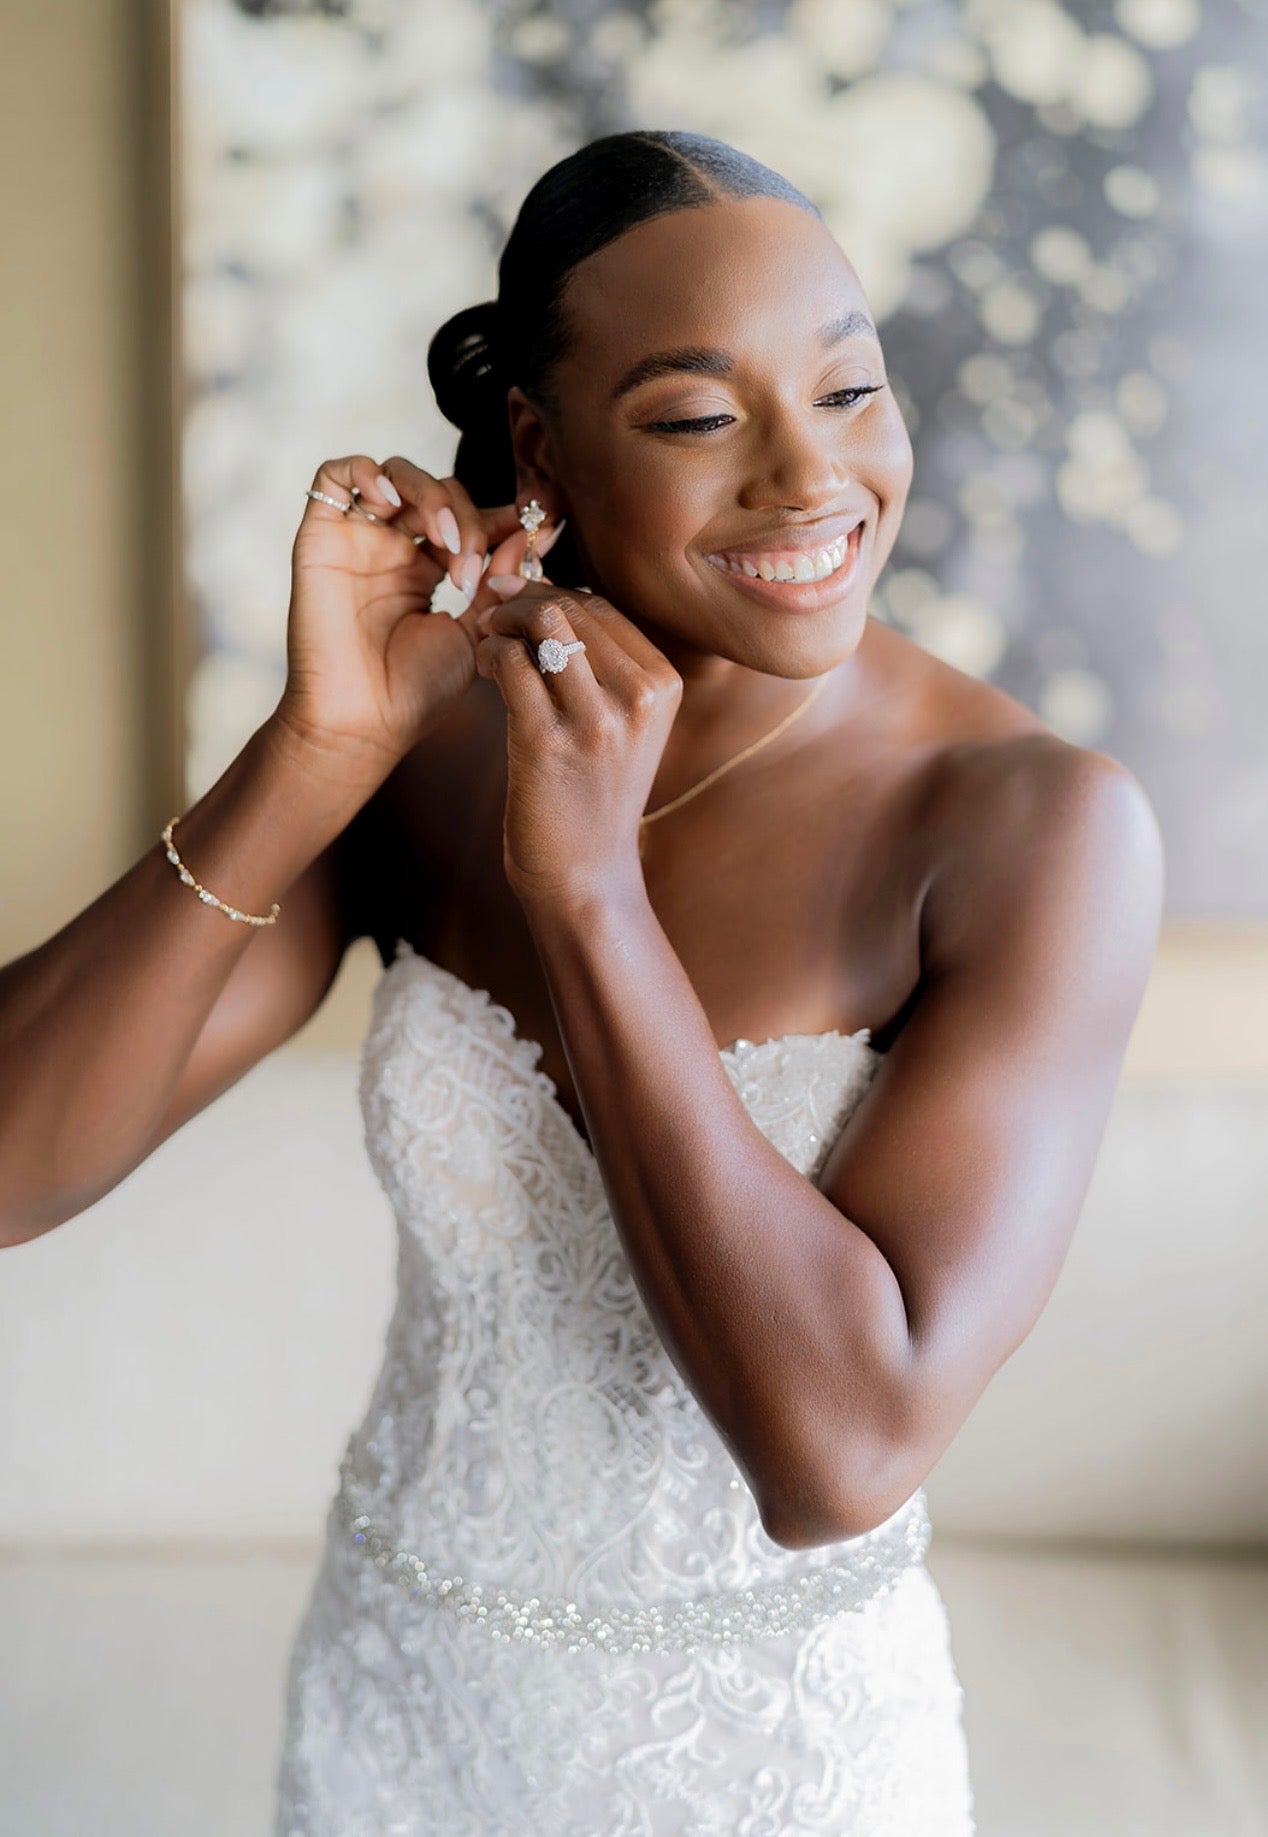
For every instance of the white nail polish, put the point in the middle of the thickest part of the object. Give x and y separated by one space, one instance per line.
447 524
388 489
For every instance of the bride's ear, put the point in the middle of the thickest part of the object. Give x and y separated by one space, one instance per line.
536 475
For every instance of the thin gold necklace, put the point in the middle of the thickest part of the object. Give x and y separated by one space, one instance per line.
652 816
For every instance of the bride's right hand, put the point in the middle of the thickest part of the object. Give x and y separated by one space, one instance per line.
369 665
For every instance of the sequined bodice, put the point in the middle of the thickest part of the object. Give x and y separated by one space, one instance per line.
528 1432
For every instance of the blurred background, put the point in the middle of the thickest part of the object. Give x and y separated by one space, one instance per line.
229 232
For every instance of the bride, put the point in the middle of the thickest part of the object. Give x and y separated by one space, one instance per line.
755 988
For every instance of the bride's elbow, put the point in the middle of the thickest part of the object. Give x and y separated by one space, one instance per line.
807 1516
809 1522
797 1531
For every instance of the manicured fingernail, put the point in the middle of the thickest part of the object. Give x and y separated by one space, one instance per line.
388 489
468 574
506 584
447 524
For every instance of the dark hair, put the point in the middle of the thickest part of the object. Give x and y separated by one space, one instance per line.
577 207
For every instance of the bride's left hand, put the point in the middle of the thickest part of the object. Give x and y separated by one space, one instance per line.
583 743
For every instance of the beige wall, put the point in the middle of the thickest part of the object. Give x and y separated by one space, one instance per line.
89 637
81 766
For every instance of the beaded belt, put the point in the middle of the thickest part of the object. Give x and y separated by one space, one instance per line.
681 1626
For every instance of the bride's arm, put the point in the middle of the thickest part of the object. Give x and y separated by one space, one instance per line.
838 1335
147 1004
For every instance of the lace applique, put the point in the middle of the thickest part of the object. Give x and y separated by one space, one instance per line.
529 1443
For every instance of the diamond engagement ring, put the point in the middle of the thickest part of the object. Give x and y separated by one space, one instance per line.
321 497
553 655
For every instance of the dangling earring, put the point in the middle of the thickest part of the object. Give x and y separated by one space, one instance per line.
532 516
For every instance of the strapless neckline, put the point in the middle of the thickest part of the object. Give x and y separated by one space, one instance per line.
739 1052
535 1508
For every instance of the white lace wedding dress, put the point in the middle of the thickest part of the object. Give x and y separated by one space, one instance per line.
546 1605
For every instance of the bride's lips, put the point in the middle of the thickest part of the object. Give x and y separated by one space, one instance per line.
799 595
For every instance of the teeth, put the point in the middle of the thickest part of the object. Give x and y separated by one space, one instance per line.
808 567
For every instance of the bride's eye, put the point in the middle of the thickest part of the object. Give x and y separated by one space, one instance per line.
704 424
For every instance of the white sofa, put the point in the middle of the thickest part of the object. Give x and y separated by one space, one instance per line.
180 1365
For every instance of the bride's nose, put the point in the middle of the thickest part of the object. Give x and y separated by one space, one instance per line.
805 465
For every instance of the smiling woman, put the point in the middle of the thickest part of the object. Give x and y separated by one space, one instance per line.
754 989
698 1318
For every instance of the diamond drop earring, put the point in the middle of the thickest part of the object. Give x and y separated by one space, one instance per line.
532 516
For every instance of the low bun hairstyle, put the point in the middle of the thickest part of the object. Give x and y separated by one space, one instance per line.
467 370
576 207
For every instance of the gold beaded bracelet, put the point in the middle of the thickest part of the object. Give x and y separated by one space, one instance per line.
209 899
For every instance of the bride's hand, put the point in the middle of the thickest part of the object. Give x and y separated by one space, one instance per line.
369 665
583 743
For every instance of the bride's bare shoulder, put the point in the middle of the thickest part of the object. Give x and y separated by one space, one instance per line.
950 707
1009 802
969 736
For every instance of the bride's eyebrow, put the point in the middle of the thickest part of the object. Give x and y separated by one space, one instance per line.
708 360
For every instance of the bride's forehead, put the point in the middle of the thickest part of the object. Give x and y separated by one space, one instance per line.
701 257
716 293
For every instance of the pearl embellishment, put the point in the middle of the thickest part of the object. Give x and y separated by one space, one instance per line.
684 1625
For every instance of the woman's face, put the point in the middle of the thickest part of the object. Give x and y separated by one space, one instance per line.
745 318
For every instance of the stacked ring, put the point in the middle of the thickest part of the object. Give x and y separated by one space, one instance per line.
334 503
322 498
